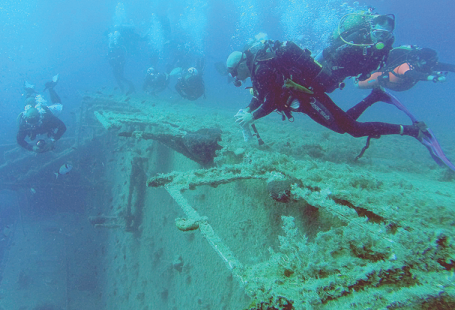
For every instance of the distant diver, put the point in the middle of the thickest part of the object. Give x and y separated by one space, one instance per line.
117 58
406 65
191 84
40 119
359 46
155 81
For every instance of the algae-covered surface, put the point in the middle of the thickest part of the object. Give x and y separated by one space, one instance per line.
367 234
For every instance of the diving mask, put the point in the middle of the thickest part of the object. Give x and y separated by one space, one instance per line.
233 71
381 34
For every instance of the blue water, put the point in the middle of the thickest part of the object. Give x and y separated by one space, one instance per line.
40 38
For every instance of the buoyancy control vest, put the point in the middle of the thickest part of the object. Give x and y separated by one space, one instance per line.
287 59
294 68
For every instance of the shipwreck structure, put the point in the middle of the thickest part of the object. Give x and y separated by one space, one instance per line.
187 216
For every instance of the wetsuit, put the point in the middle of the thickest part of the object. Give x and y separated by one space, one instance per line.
191 87
117 58
48 124
270 67
341 60
402 71
156 82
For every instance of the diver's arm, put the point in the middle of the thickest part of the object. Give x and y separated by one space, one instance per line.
258 109
56 123
441 66
54 97
261 112
415 75
179 88
21 133
268 92
254 104
264 107
61 129
20 138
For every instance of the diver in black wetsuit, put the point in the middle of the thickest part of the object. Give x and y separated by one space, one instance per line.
356 51
191 85
38 118
287 79
407 65
117 58
155 82
35 121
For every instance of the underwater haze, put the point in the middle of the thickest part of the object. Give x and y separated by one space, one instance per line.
42 38
52 205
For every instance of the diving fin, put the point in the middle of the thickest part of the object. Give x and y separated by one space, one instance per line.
427 137
52 83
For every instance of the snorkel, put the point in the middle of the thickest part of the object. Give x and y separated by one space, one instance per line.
237 82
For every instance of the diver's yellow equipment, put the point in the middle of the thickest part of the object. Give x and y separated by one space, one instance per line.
293 85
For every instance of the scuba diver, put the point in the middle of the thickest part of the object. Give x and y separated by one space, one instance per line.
407 65
287 79
40 118
35 121
117 58
220 66
191 85
155 82
359 46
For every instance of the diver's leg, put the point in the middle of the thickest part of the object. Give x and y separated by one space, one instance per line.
346 124
52 83
119 70
376 95
56 106
54 97
179 87
29 90
315 110
131 88
118 75
357 129
360 107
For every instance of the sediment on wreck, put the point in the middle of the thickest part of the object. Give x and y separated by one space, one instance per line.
272 226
